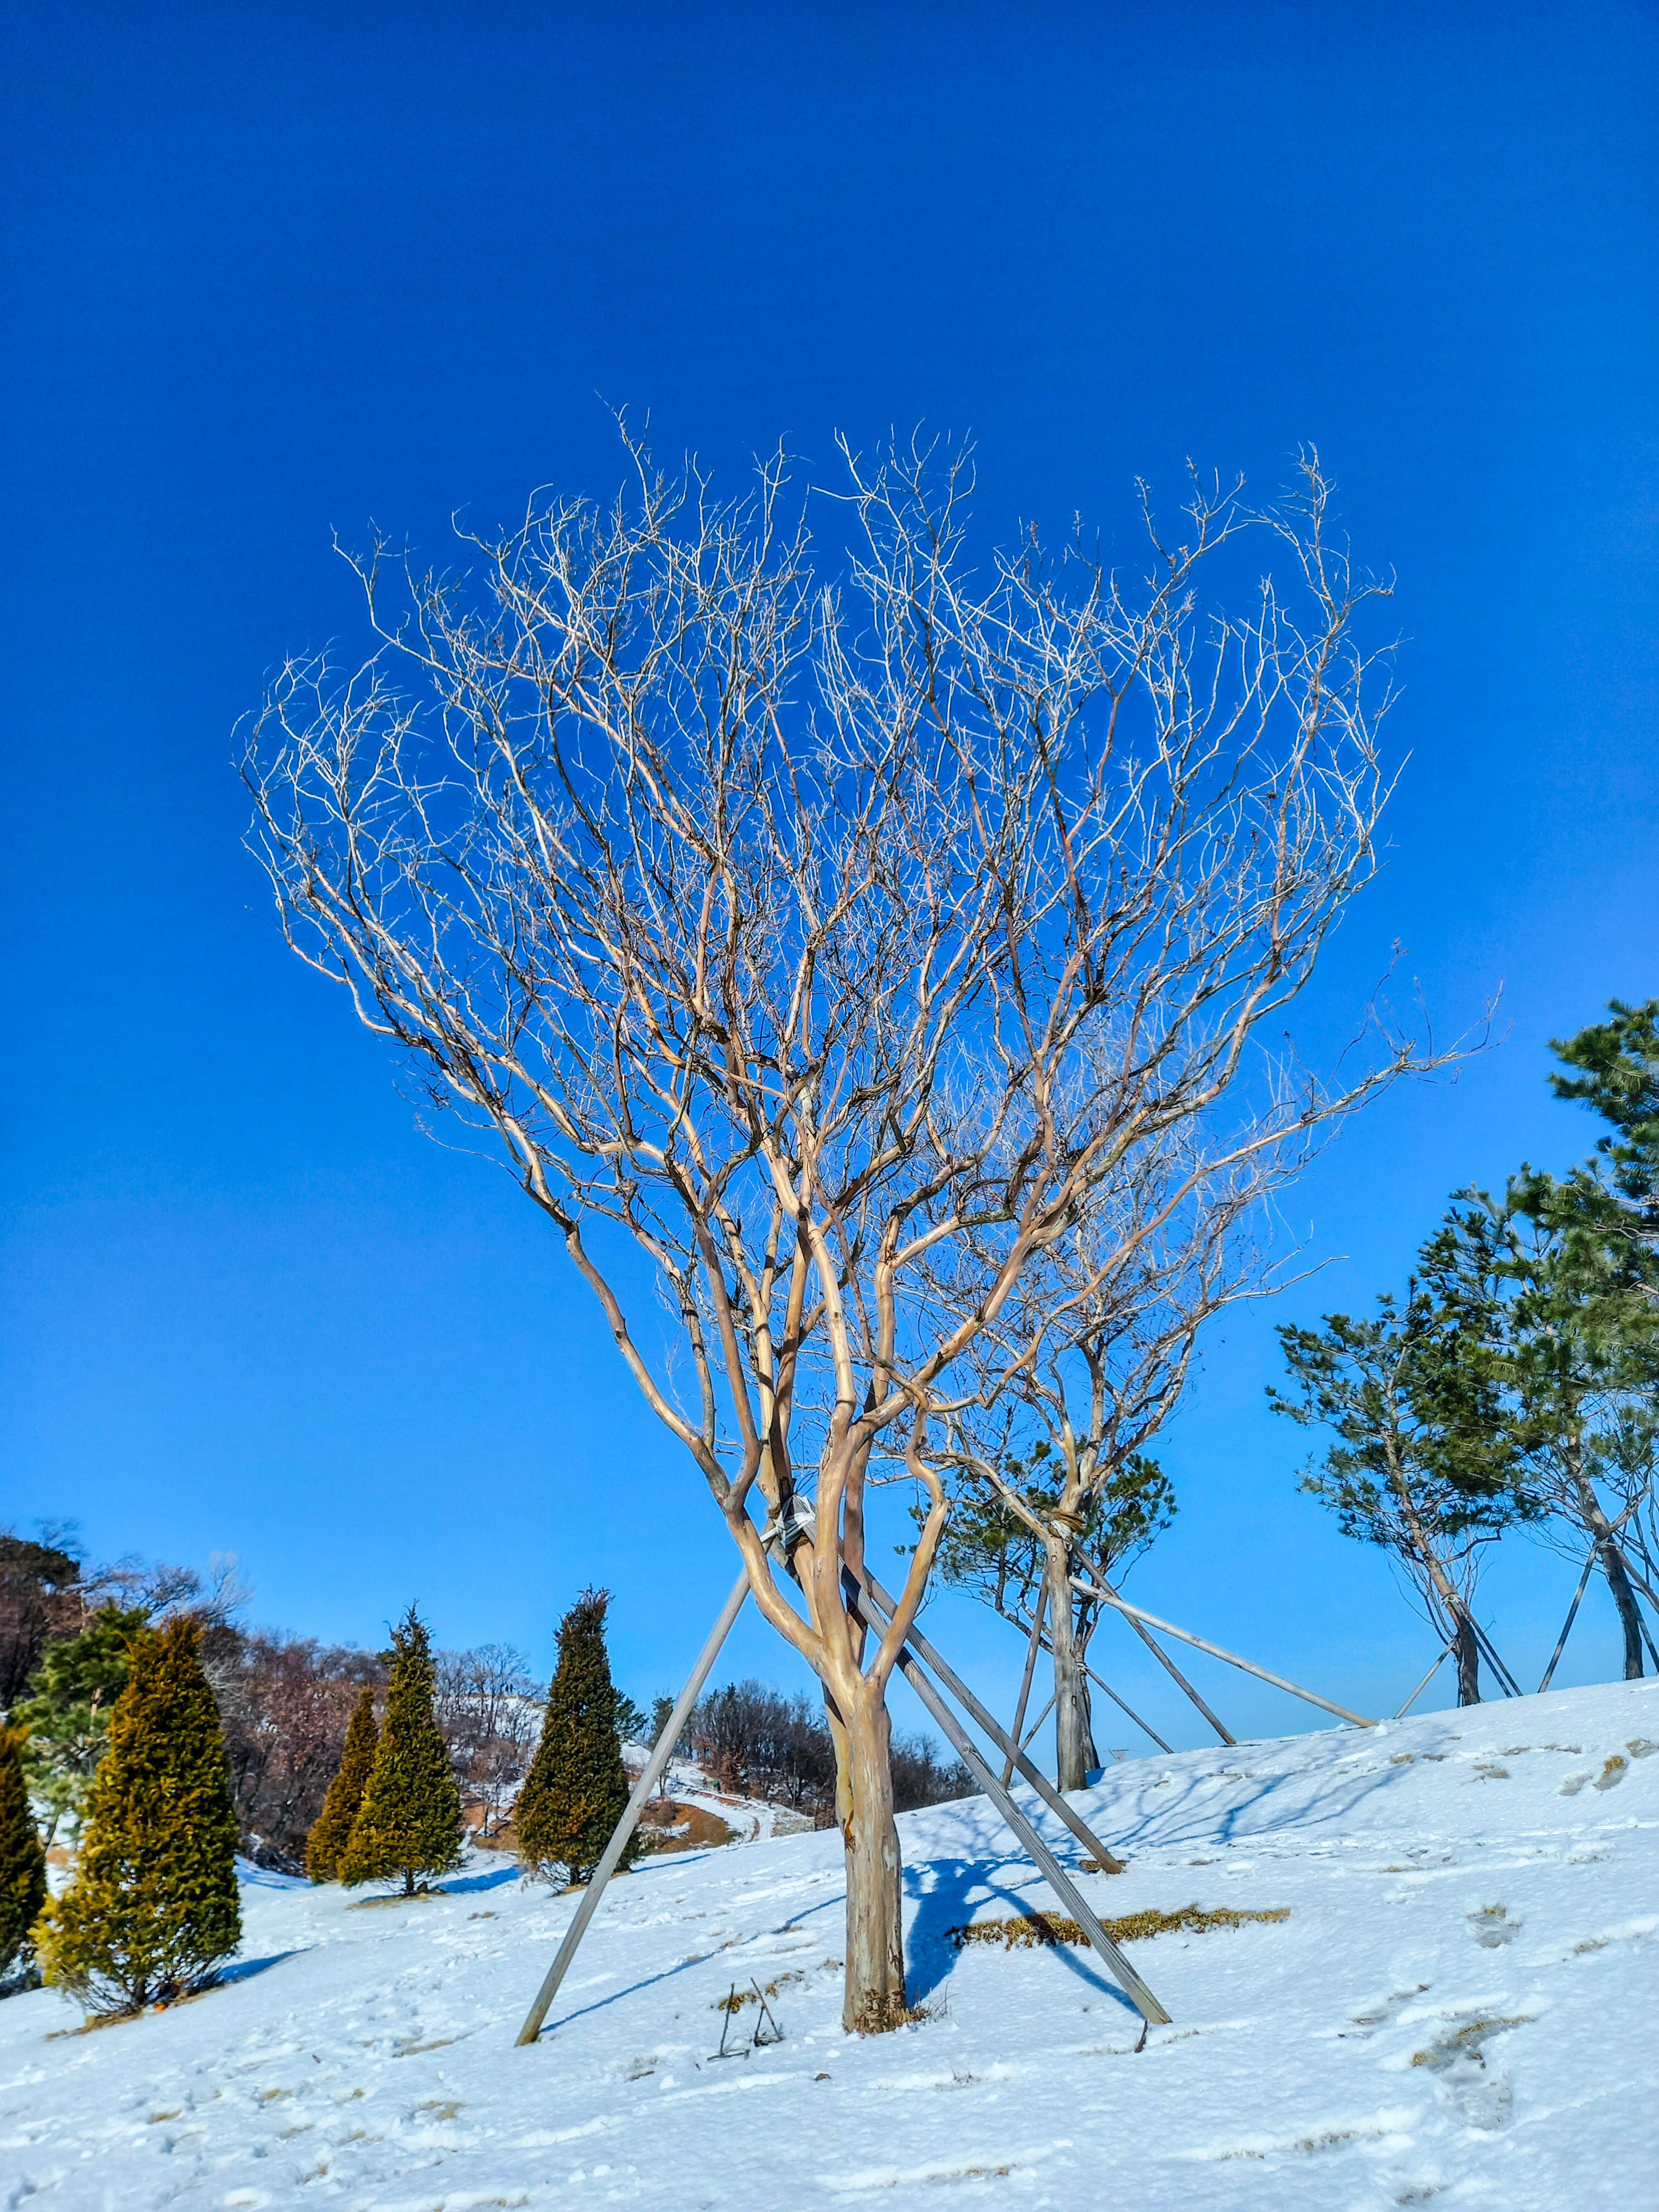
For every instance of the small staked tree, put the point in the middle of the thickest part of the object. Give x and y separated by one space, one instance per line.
409 1823
1055 1480
1572 1336
331 1831
576 1789
153 1909
1425 1463
1017 1540
22 1860
830 936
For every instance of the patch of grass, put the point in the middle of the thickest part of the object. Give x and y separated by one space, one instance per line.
1044 1930
1612 1771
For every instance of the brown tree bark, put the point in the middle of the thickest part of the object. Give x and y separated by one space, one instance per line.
874 1998
1075 1742
1466 1652
1612 1565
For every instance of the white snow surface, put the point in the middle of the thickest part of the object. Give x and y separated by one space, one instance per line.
1458 2009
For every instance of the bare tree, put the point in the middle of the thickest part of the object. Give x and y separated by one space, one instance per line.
485 1704
830 940
285 1703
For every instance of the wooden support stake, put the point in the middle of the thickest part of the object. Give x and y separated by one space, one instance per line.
1572 1615
1018 1731
1424 1684
624 1828
1030 1732
1506 1681
1108 1861
1052 1872
1102 1684
1169 1628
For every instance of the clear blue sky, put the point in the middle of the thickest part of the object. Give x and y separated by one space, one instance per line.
270 273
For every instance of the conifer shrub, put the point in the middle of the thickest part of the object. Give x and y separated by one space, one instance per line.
577 1788
410 1821
22 1861
332 1831
153 1909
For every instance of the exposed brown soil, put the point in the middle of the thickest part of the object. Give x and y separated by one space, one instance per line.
700 1829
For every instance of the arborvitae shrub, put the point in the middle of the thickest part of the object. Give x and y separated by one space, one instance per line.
328 1839
410 1821
22 1862
576 1789
153 1907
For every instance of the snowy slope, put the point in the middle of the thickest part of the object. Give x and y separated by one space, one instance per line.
1459 2007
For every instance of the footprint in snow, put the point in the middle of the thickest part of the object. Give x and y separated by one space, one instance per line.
1478 2093
1492 1926
1369 2017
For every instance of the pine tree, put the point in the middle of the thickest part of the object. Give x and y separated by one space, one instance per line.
66 1711
22 1862
576 1789
410 1821
153 1907
329 1837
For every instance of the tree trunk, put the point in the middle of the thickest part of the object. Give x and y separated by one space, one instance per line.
1075 1742
874 1989
1625 1598
1467 1652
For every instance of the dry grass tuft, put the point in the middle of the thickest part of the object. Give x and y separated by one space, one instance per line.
737 1999
1044 1930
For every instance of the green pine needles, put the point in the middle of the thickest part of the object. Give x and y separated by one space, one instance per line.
409 1821
329 1837
66 1713
22 1862
576 1789
152 1911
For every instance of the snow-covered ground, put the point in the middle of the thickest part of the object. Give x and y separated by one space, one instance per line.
1459 2007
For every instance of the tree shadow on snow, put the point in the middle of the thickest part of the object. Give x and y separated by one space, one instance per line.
467 1885
1294 1804
947 1891
244 1970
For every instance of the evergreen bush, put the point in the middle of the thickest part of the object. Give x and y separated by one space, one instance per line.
333 1832
153 1908
410 1821
22 1862
577 1788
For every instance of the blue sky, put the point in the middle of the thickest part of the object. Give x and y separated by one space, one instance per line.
272 273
